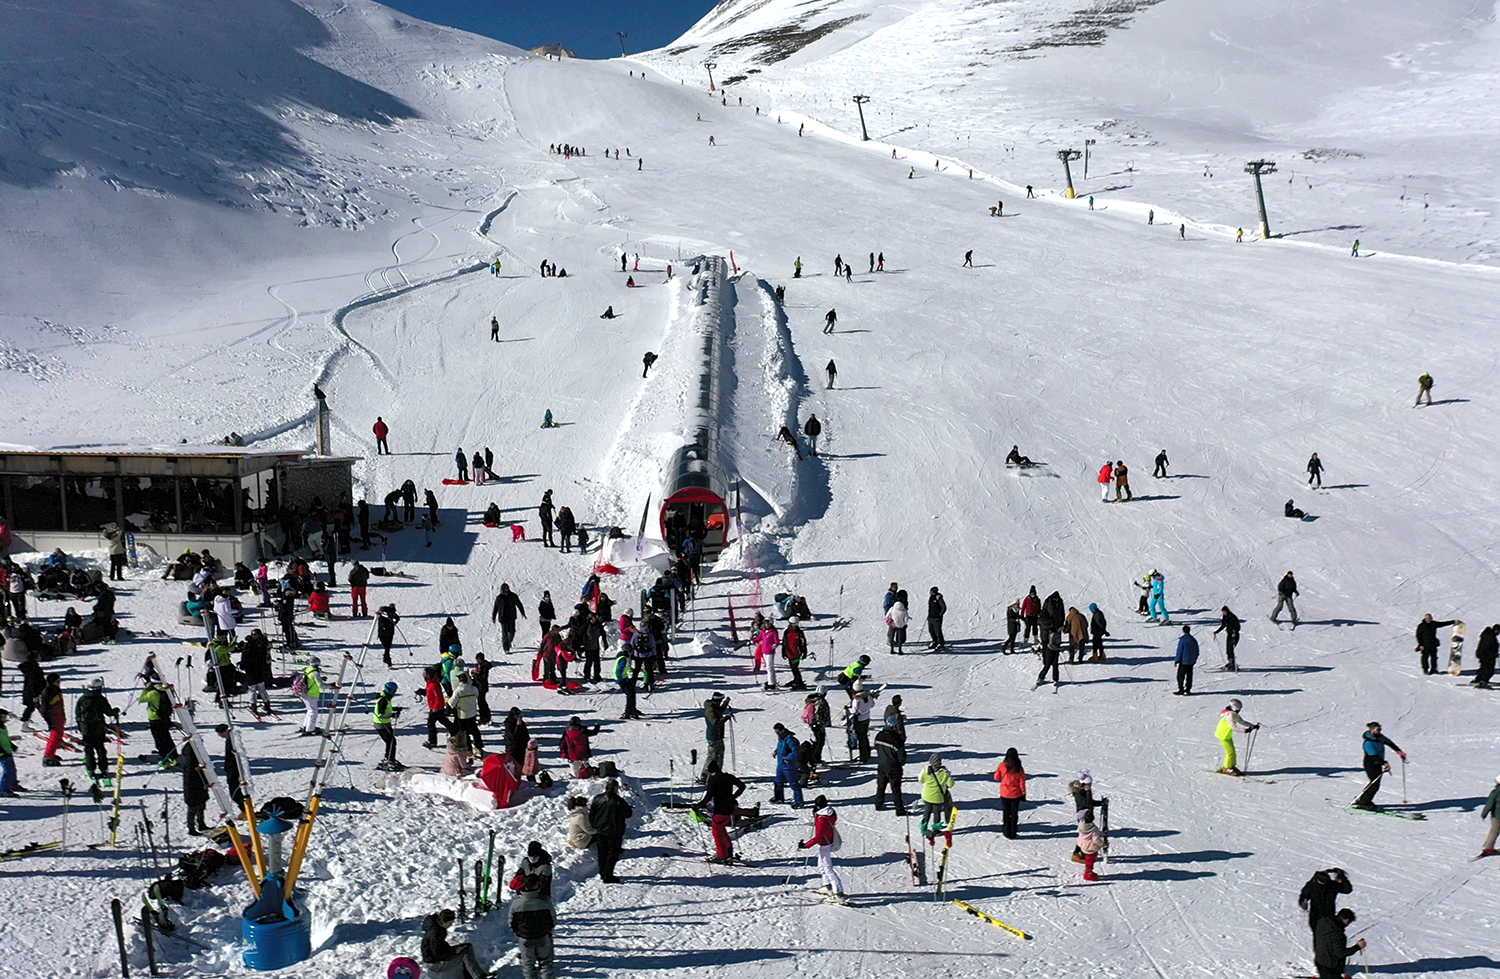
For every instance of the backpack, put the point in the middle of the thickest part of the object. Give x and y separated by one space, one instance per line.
299 684
838 841
810 714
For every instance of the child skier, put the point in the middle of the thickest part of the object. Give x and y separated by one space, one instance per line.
1090 841
1230 722
826 839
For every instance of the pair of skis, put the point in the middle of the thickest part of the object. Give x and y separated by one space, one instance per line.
947 848
485 878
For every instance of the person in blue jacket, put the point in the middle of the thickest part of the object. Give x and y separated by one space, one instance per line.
1159 597
1186 659
786 765
1376 766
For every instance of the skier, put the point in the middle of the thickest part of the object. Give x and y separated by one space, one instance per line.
1098 629
1424 388
812 430
446 961
1229 624
1230 722
544 513
1376 766
1329 944
310 679
1427 641
463 465
381 430
159 720
969 259
647 361
1122 482
89 714
1090 842
1159 598
785 435
721 794
937 796
826 838
1106 480
829 320
385 628
937 607
890 757
786 754
1315 470
1012 778
716 714
1286 594
1162 462
1320 894
1185 658
1484 652
833 373
507 606
1354 252
1492 810
895 627
797 268
1031 607
794 648
385 726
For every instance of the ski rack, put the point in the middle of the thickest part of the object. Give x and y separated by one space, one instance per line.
226 805
329 751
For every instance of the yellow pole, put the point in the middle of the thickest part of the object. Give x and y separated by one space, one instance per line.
244 855
260 856
304 832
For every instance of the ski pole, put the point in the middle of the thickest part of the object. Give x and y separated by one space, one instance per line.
1366 956
1250 750
1403 786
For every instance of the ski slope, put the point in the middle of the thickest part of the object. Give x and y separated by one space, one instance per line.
1078 335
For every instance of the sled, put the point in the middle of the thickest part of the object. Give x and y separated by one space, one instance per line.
572 685
455 482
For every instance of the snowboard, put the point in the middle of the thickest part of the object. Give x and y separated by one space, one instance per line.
1456 650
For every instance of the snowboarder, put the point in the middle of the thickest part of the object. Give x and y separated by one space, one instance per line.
495 329
1014 458
1162 462
1330 948
969 259
462 461
1424 388
1290 509
1374 744
937 607
826 838
1286 594
812 430
1106 480
647 361
1122 482
1012 778
1098 629
381 430
937 796
1484 652
786 755
1185 658
785 435
829 320
1492 810
1229 624
890 757
1230 722
833 373
1315 470
1427 641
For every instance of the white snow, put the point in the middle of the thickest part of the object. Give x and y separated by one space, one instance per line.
350 247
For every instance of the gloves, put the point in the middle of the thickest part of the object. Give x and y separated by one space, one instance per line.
802 845
1255 727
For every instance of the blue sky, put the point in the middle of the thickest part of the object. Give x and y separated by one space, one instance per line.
587 27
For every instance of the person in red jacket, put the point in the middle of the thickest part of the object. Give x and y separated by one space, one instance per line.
437 706
381 430
318 603
1106 480
826 838
575 745
1012 779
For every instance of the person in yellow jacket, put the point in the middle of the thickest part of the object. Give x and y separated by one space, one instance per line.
308 685
464 703
159 720
937 796
1230 722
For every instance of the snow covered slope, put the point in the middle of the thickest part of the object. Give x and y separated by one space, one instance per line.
1379 115
1079 336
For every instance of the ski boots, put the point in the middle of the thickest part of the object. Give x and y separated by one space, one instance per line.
1230 771
1090 876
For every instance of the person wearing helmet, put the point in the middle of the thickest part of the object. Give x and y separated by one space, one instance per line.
937 796
1230 722
794 648
93 707
385 726
310 681
1492 810
851 673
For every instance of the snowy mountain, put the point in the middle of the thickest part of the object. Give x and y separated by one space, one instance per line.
203 215
1375 113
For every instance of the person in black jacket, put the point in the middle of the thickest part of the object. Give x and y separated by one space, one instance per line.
442 960
890 756
1286 594
1049 625
1098 629
480 674
721 794
1427 641
231 766
1012 626
362 511
1330 944
1229 624
937 607
255 665
532 916
608 814
1321 893
194 790
447 635
33 682
507 606
544 513
545 613
385 628
93 727
1484 652
812 430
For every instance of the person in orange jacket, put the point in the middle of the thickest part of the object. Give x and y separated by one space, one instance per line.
1012 779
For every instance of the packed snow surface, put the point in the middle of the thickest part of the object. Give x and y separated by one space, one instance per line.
322 203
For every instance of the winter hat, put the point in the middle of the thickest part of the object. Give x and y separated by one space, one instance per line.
717 696
1093 607
97 683
1497 779
820 802
936 761
896 700
859 686
1084 778
534 849
792 621
1235 704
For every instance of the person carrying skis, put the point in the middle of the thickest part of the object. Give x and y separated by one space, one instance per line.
1374 744
1321 893
721 795
1098 630
1315 470
1427 641
1012 778
1229 624
385 726
937 607
90 715
1286 594
1424 388
937 796
1330 948
1186 658
1106 480
1230 722
1492 810
1485 651
829 320
785 753
826 838
716 715
794 648
1162 462
890 758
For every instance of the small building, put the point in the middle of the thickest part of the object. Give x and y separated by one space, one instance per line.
554 51
229 500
